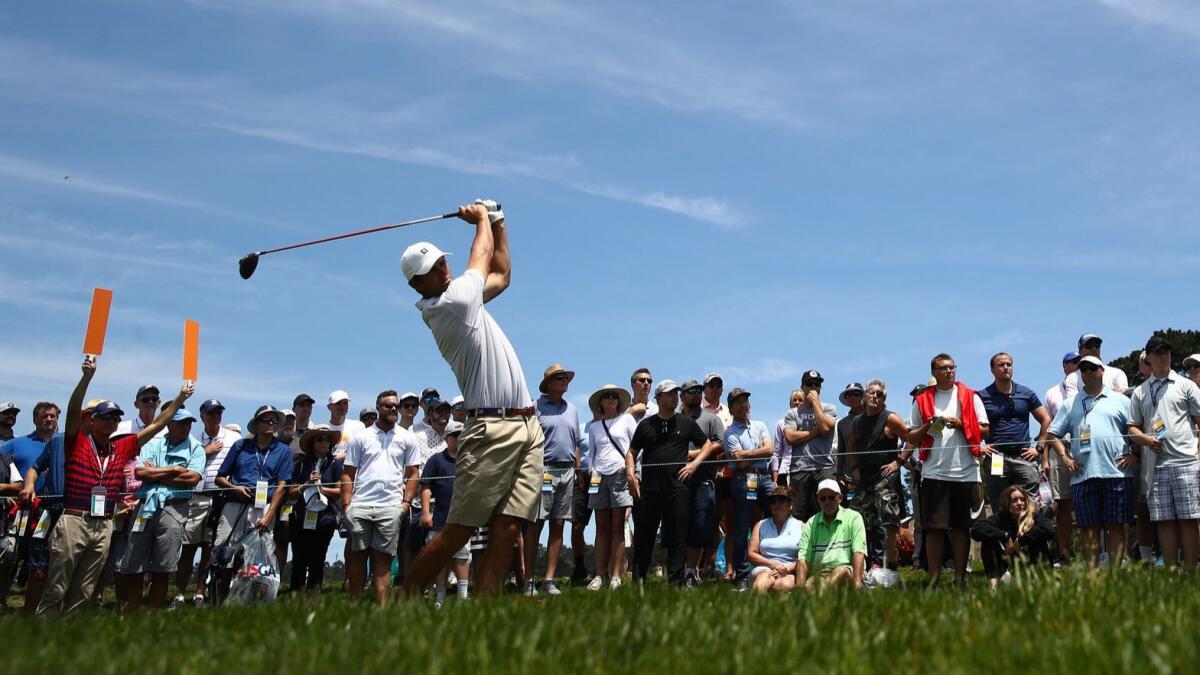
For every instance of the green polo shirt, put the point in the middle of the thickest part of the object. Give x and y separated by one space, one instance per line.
826 545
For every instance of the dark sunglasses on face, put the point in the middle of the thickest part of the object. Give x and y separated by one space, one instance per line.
561 377
827 498
149 399
1088 367
610 397
853 394
386 406
694 392
430 399
458 407
110 418
273 421
946 369
409 406
643 380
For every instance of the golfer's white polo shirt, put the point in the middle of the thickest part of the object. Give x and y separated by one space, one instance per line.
483 360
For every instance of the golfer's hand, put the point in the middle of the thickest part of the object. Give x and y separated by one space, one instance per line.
474 214
495 214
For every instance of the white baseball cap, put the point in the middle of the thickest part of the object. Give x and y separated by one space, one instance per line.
1194 358
829 484
1092 360
420 258
338 395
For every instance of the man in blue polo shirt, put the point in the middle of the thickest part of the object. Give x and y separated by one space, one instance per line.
560 425
1009 457
252 477
1102 467
24 452
748 448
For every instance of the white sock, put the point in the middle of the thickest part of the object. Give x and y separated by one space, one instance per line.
441 594
462 590
1147 552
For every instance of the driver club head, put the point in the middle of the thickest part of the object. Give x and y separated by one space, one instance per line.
247 265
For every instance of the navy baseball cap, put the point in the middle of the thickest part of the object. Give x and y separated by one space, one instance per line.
1089 337
107 408
210 405
1071 357
145 388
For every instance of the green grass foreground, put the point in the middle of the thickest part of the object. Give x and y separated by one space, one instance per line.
1131 621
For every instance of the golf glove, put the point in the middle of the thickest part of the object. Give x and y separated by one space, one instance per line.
495 213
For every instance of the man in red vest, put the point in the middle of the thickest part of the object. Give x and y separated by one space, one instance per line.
947 424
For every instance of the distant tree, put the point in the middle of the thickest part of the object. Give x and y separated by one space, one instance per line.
1183 344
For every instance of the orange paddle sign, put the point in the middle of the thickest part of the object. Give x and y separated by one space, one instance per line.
93 341
191 349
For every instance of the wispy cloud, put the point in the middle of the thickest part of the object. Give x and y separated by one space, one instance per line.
341 119
766 370
1181 16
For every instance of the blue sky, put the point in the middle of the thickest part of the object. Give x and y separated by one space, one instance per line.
755 189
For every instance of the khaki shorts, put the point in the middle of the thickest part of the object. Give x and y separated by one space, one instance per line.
498 471
196 530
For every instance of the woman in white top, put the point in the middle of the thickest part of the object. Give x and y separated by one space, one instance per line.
612 471
775 545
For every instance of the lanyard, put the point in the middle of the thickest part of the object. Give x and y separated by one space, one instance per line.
1086 408
262 466
1156 390
102 465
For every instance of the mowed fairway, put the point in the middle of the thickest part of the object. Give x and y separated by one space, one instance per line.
1128 622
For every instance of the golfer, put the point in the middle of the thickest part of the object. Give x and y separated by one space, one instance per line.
498 473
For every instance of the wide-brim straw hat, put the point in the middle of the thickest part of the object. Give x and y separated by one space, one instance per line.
551 372
623 399
311 434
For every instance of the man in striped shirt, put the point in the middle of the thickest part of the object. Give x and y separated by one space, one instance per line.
94 471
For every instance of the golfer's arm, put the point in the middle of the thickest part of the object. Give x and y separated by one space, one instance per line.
482 249
500 271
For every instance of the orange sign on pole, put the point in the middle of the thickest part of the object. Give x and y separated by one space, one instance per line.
93 342
191 349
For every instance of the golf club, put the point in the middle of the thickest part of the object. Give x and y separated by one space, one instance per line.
249 263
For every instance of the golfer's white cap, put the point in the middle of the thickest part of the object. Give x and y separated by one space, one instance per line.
419 259
338 395
829 484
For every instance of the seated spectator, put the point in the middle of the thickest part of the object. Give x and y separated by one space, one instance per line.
833 546
1017 532
774 544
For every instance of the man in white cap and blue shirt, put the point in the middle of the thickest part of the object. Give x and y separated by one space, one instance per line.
499 471
169 468
1114 378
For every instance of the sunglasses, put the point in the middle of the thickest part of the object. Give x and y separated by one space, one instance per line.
430 399
459 407
561 377
272 420
1088 367
385 406
946 369
610 397
694 392
827 498
643 380
854 394
149 399
409 406
110 418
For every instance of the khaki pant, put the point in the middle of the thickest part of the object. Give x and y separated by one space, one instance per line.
498 470
78 549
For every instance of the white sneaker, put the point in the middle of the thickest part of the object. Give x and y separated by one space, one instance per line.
595 583
551 588
614 583
176 602
531 588
198 601
452 580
